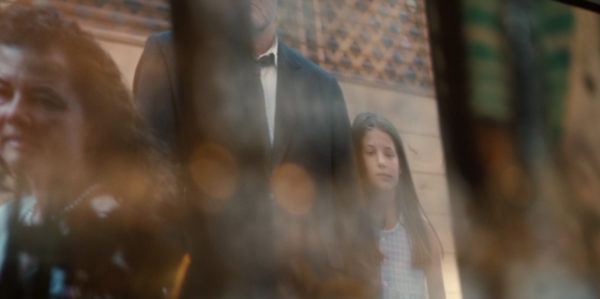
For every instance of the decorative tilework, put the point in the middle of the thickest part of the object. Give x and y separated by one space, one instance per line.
379 41
376 41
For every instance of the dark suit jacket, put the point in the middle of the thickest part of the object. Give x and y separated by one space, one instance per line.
312 137
309 105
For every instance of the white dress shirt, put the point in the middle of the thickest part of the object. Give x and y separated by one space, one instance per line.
268 78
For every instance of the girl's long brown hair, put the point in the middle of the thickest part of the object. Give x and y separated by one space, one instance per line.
406 196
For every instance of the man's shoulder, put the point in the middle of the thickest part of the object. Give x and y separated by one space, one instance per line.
307 65
160 45
161 38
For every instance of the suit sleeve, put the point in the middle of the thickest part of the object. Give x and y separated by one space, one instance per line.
344 168
153 91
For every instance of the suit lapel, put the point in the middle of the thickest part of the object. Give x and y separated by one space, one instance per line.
286 100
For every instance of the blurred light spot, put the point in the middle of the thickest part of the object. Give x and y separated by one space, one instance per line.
215 173
119 260
293 189
103 205
180 276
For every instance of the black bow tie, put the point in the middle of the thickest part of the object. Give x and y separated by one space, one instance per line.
266 61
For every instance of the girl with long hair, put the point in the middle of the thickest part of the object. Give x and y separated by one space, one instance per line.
410 247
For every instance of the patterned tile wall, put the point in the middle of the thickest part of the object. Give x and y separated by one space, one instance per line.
379 41
376 41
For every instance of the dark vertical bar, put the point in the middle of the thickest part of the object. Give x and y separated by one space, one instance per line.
527 87
462 160
220 105
452 92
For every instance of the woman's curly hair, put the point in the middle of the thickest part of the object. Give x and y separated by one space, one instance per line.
120 151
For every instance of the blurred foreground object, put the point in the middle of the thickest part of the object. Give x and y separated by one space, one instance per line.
269 176
516 83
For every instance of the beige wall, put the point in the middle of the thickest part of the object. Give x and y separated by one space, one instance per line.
416 118
126 56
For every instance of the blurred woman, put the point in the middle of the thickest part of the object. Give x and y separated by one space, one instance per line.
90 181
411 249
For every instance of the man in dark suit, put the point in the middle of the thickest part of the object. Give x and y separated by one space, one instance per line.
318 231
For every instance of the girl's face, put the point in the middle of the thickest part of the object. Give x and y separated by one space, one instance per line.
381 160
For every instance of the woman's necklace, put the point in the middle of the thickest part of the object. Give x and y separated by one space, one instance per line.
83 196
